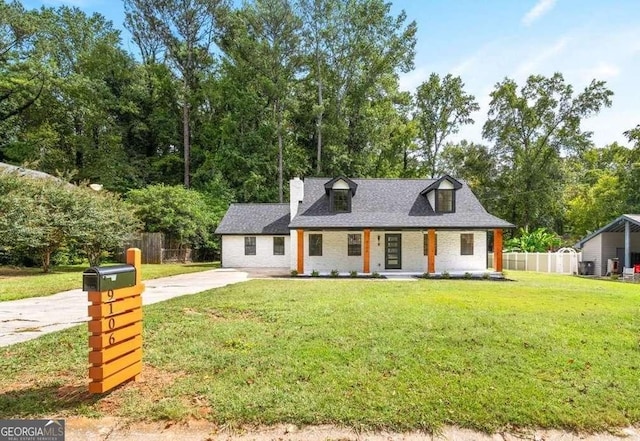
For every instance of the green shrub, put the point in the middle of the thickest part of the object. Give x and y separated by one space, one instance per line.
182 214
48 219
294 273
375 275
334 273
485 276
315 273
426 275
446 275
467 275
353 274
539 240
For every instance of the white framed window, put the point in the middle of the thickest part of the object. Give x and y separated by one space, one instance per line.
315 244
466 244
250 246
278 246
354 244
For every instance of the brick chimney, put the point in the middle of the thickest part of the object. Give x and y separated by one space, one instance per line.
296 194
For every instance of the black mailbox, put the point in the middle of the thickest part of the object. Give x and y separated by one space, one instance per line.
105 278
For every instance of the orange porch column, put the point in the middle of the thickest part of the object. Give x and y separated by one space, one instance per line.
431 251
497 250
367 251
300 268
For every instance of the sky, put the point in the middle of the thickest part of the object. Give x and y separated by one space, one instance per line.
485 41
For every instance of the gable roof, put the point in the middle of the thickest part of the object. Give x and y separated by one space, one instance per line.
457 185
615 226
352 185
391 203
255 219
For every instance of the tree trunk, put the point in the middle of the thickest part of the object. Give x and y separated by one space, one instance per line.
319 122
186 138
280 154
186 78
46 261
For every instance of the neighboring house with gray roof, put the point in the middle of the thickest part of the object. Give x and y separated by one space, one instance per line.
364 225
614 246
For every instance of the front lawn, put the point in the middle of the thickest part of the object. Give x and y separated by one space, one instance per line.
543 351
22 283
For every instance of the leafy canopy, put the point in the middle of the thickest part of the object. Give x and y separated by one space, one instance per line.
179 213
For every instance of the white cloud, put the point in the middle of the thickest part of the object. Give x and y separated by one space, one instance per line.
535 63
583 52
466 65
602 71
541 8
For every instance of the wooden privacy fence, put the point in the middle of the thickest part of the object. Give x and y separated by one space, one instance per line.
176 255
150 244
153 249
552 262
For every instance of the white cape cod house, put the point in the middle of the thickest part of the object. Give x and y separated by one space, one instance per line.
364 225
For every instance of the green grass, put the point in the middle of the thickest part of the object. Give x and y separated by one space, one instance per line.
21 283
543 351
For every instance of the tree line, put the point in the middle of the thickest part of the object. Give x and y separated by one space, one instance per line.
233 101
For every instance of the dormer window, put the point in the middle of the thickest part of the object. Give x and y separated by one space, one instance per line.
441 194
341 201
340 191
445 201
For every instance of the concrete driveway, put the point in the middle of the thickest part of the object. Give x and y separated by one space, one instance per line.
26 319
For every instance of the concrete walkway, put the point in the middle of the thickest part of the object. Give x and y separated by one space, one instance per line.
26 319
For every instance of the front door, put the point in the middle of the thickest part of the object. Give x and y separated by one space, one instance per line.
393 251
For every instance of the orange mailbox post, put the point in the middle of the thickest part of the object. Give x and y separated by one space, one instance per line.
115 327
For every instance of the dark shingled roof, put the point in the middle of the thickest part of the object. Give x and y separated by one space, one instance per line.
391 203
615 226
255 219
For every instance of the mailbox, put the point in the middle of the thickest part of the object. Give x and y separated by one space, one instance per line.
105 278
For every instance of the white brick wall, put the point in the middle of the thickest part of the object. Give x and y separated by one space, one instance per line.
233 253
449 258
334 252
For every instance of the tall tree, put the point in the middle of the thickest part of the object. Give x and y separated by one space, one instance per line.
269 46
22 69
74 127
531 128
354 50
442 106
373 46
186 29
476 165
601 185
319 33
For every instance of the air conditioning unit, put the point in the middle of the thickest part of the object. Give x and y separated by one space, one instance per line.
613 266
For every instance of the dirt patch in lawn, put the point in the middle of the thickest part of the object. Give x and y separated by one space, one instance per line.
151 386
113 429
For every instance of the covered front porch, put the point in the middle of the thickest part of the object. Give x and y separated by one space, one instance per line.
393 251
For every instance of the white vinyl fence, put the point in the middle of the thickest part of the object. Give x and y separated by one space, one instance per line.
564 261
